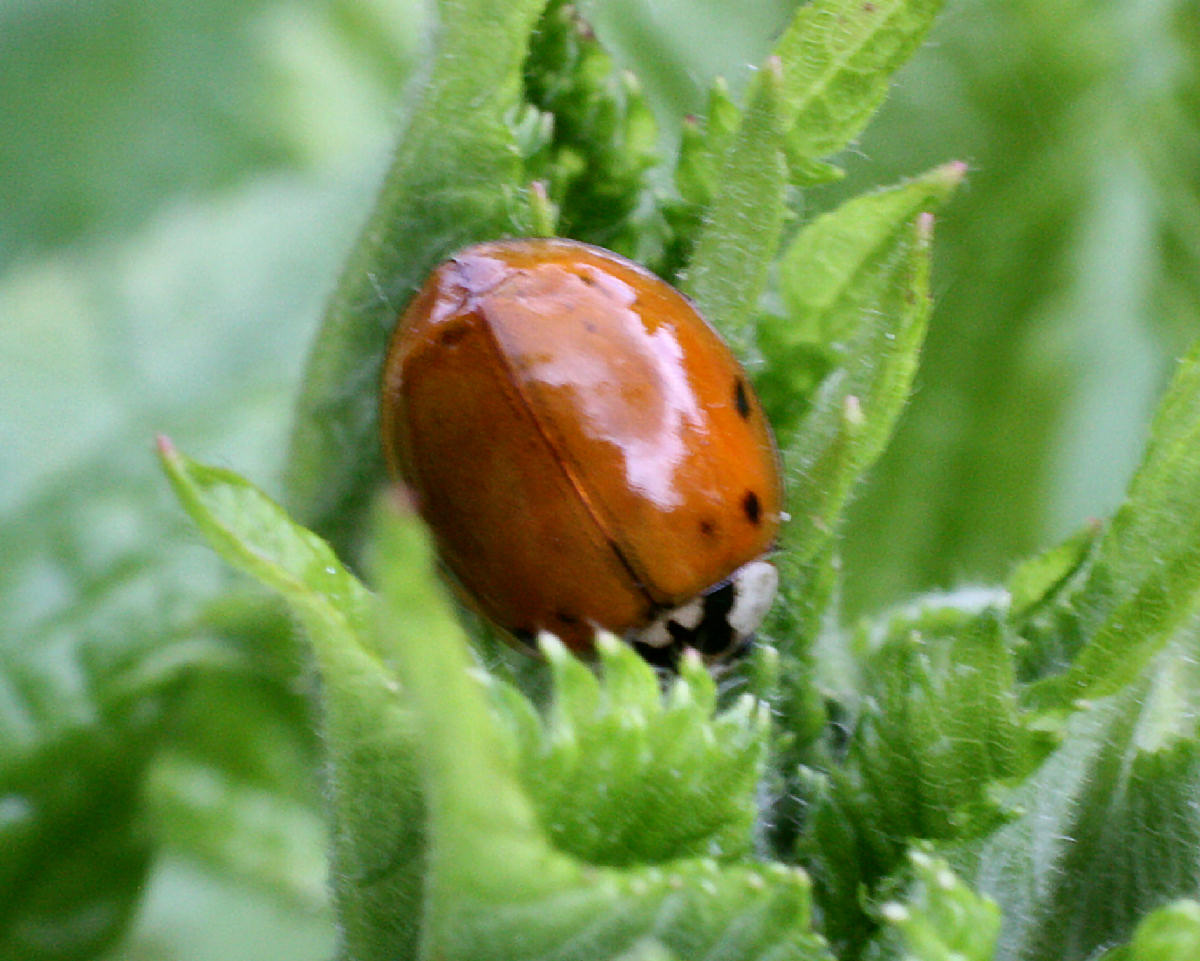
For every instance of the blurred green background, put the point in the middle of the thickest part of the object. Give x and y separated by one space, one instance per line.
179 182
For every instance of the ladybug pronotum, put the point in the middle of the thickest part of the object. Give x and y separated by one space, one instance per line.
586 450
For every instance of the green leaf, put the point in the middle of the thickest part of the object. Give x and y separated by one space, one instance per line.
703 144
813 658
827 75
1168 934
857 281
376 807
245 807
1144 585
940 918
838 57
1108 829
249 531
621 774
943 721
497 888
938 734
104 631
1040 374
194 912
240 829
854 331
728 268
1040 612
92 655
603 136
823 263
1036 583
77 896
454 180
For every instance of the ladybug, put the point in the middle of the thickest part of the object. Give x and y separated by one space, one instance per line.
586 450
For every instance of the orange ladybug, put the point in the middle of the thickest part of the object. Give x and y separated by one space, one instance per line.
586 450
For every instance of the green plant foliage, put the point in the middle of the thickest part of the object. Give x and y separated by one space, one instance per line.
488 867
492 869
621 774
587 771
727 270
1141 588
195 767
837 59
1106 831
857 284
603 137
938 732
622 791
247 830
1168 934
828 75
703 143
856 280
1041 372
1117 606
120 641
939 918
377 812
83 704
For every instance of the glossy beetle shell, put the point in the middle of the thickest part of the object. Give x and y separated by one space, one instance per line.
586 450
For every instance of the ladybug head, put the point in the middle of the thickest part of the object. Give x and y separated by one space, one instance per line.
717 623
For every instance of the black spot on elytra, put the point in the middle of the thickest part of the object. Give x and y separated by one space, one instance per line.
708 527
741 400
752 508
566 617
449 336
